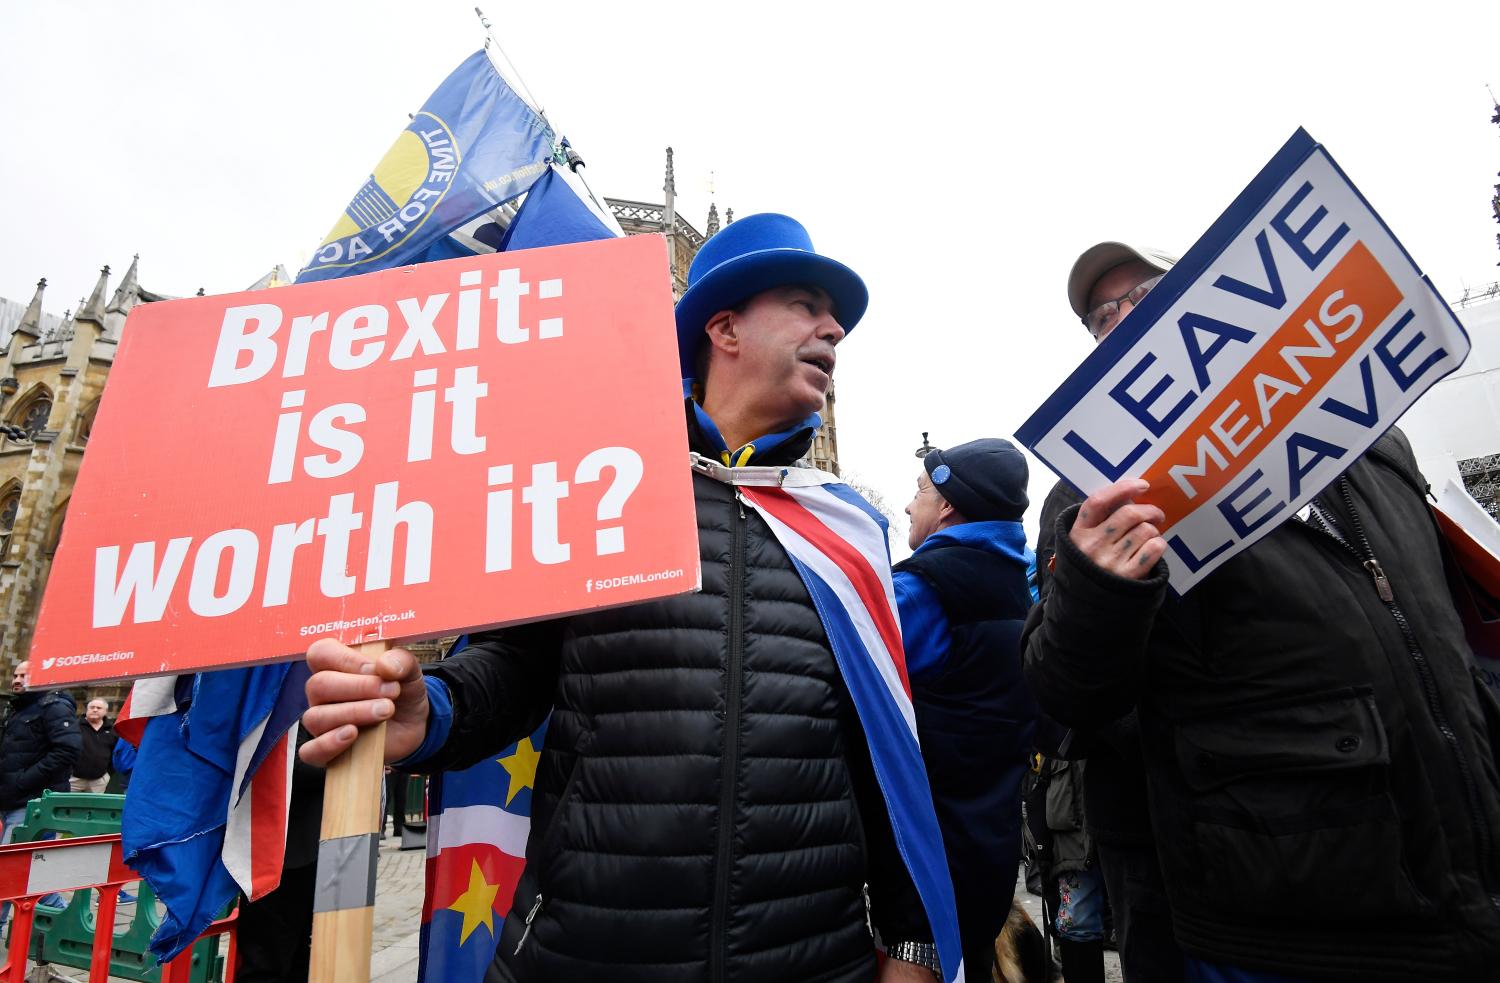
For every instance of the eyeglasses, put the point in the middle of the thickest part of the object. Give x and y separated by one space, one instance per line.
1108 313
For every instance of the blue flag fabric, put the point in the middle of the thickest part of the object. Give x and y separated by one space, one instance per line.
475 144
553 215
177 807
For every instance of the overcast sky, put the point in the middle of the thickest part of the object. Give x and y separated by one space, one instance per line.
957 155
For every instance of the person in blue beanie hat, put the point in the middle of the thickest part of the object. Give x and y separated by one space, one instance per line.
963 598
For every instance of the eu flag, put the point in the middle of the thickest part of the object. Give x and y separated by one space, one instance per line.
474 145
476 850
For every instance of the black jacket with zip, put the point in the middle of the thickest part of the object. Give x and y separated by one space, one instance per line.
1322 762
704 807
38 746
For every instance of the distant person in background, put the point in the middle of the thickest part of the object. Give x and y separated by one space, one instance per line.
395 798
91 770
121 764
37 750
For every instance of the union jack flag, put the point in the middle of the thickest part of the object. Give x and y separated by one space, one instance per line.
206 809
837 542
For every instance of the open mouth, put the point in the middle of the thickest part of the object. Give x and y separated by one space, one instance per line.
822 363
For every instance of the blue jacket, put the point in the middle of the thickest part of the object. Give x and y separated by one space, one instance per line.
963 598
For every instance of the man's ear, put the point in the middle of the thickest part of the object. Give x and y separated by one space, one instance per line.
723 331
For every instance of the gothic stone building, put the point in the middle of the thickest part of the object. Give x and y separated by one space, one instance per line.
52 372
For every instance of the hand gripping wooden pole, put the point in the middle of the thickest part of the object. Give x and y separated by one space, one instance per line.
344 899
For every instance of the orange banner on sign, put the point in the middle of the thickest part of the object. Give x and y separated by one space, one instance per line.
1278 381
403 454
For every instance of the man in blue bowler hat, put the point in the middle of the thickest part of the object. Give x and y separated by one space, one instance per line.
705 806
963 596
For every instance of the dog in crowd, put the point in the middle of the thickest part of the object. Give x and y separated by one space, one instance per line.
1020 951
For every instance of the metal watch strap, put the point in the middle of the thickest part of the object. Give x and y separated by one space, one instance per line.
922 953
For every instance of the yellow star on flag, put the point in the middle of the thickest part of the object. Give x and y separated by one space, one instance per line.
522 767
477 904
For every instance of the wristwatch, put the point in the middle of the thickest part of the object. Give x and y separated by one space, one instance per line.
922 953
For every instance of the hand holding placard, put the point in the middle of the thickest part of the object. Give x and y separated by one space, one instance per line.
348 845
348 692
1118 533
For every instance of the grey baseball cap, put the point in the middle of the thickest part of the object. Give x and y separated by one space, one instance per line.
1102 257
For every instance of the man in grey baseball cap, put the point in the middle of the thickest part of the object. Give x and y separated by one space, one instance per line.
1323 800
1109 279
1105 284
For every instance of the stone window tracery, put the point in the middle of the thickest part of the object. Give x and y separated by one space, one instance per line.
10 504
32 413
34 420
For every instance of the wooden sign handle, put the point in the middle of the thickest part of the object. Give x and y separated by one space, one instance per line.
344 899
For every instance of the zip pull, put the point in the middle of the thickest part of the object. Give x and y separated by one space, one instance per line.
740 501
1382 585
536 907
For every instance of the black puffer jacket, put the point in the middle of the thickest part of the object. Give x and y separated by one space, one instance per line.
704 806
1322 763
37 748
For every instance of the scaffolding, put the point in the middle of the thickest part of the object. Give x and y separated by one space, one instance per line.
1480 476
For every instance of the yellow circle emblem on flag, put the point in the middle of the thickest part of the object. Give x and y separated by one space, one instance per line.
397 197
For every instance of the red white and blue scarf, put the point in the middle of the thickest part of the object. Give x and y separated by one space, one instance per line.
837 542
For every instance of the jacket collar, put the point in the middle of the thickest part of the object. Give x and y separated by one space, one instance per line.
1003 538
784 447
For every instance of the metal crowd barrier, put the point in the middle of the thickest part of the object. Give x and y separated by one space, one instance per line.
30 871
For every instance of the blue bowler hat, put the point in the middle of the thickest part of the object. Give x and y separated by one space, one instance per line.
756 253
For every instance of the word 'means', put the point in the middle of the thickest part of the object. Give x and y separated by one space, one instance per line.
251 342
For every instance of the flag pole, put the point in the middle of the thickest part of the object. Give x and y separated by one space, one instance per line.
576 164
489 39
344 898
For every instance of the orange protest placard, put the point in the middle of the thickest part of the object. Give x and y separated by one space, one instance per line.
403 454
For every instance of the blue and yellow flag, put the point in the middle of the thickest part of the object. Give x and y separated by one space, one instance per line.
476 850
474 145
478 824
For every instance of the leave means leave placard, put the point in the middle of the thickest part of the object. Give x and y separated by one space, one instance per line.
1287 340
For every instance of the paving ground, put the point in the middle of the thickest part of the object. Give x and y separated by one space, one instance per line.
398 918
399 883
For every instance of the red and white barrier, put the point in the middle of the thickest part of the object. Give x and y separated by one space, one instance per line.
29 871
